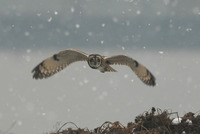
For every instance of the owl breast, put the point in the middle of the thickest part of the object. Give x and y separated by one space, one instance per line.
95 61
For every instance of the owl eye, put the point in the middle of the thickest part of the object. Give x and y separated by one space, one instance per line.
98 60
91 60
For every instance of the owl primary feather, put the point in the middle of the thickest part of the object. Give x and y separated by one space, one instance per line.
59 61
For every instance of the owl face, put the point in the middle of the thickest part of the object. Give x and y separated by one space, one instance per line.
94 61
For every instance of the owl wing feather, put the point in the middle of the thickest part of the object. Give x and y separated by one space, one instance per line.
57 62
142 72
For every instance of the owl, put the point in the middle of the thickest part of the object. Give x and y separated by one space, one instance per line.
59 61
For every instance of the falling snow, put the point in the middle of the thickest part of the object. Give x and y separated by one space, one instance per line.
28 51
77 26
161 52
67 33
94 89
39 14
158 13
126 76
138 12
50 19
90 33
26 33
103 95
56 12
156 35
72 9
85 81
27 58
188 29
103 25
115 19
19 123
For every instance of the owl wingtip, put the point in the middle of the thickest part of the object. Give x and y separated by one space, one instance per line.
153 84
152 81
36 73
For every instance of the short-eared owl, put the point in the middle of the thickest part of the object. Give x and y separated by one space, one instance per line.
59 61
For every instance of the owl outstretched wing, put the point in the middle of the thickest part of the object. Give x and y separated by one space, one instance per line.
141 71
57 62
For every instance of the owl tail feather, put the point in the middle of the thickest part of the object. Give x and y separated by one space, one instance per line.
109 69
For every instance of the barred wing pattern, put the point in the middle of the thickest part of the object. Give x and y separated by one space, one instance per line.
57 62
142 72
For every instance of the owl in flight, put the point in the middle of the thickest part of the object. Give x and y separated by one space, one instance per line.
59 61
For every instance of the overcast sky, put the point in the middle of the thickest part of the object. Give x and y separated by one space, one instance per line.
154 24
103 7
161 34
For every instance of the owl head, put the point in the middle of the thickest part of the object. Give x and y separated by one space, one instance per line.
95 61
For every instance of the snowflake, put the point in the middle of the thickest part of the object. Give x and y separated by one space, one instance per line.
50 19
56 13
77 26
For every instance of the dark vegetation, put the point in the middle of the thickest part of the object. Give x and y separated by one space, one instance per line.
154 121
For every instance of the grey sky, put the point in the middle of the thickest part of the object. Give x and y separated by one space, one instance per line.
103 7
161 34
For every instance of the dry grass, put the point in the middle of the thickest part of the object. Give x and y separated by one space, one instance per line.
154 121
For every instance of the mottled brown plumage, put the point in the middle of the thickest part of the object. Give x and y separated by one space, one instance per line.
59 61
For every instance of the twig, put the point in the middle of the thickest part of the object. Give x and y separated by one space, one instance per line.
64 125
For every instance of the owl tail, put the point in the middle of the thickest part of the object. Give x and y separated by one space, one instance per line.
108 69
